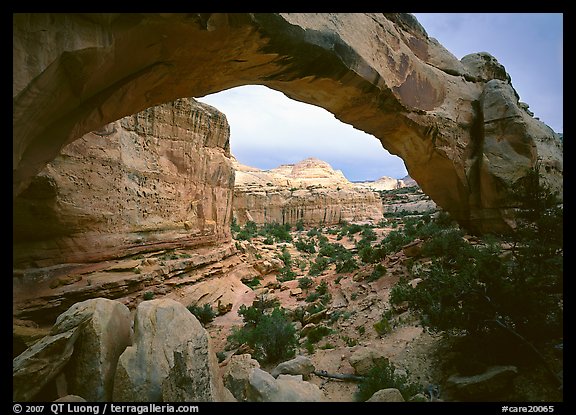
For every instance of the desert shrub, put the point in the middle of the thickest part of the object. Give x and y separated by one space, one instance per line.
354 228
313 232
369 254
312 297
272 336
252 283
285 256
300 225
395 240
249 231
275 231
483 292
322 288
382 326
307 246
148 295
379 271
346 265
286 274
382 376
368 234
204 314
317 333
349 341
318 266
234 227
305 282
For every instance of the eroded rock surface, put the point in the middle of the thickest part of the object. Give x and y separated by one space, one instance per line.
381 73
159 179
164 330
310 192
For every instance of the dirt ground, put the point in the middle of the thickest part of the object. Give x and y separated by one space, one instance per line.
359 304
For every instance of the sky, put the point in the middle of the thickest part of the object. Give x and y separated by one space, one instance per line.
268 129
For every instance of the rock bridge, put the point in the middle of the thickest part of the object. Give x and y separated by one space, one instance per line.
457 124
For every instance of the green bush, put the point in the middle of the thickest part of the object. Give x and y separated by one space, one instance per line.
478 291
204 314
275 231
300 225
317 333
253 283
346 265
271 336
307 246
322 288
234 227
305 283
318 266
379 271
382 326
382 376
249 231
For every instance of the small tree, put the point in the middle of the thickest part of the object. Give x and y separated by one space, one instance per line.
204 314
271 336
482 291
383 376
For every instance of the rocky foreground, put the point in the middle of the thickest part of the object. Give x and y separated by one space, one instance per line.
152 347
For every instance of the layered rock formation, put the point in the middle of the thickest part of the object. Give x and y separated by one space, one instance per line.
143 204
158 179
458 125
309 191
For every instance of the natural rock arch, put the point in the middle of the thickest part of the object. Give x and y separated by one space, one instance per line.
458 125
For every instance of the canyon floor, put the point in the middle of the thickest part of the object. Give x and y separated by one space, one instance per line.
354 308
357 304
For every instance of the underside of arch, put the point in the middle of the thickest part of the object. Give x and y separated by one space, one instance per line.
458 125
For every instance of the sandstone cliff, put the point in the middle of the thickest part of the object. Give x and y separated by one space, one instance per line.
158 179
458 124
309 191
142 205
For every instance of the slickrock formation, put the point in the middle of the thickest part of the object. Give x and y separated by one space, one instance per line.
309 191
159 179
458 125
142 205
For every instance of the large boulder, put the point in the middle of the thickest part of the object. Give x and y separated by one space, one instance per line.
237 373
84 343
41 363
161 328
286 388
363 359
194 376
386 395
106 334
300 365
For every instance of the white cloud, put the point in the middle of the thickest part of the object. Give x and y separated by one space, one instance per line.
267 129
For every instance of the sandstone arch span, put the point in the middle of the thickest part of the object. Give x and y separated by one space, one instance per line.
458 125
